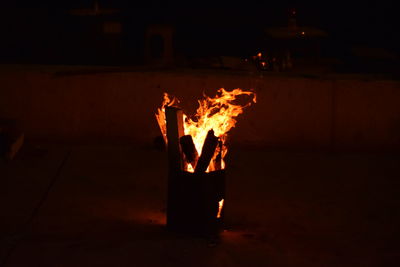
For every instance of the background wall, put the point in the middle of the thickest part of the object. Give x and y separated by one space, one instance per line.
291 112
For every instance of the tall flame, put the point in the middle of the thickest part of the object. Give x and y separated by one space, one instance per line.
216 113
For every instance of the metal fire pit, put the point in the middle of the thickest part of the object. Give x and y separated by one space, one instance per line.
193 202
196 199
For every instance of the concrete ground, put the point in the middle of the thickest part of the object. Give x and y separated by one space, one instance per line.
105 206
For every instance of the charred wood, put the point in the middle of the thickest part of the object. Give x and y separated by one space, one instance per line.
218 158
189 150
210 144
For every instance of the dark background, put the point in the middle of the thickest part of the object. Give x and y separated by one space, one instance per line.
44 32
313 169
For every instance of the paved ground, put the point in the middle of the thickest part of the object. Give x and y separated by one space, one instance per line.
104 206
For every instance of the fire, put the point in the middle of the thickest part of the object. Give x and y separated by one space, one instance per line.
220 206
216 113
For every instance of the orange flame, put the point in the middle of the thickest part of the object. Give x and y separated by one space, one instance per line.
216 113
220 206
160 115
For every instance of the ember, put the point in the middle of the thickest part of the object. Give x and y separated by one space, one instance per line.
196 152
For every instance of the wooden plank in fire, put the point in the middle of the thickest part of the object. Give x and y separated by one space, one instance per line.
210 144
218 158
175 130
189 150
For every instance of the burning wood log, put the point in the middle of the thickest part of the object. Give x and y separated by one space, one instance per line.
210 144
174 118
218 158
189 149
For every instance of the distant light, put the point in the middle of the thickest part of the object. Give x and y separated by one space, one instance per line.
303 33
263 64
259 54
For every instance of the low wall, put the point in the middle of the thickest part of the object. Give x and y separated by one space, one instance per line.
291 112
